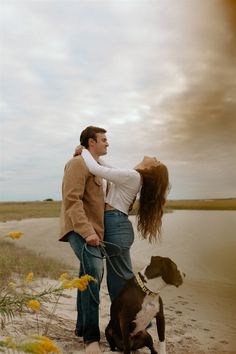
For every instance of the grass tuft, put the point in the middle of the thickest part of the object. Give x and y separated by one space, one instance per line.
15 260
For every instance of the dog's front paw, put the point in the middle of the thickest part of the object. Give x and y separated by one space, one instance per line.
162 348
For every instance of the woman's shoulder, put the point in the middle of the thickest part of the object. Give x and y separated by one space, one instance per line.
132 176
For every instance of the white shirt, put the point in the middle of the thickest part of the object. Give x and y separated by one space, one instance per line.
125 183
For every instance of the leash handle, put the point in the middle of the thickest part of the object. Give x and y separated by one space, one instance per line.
102 247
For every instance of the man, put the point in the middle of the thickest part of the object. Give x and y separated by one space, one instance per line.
82 217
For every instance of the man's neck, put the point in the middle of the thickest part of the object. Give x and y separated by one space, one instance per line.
95 156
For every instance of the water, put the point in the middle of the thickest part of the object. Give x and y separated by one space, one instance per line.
202 243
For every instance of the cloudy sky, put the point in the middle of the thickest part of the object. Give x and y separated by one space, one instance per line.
159 75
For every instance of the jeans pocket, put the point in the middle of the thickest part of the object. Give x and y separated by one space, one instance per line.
119 231
126 235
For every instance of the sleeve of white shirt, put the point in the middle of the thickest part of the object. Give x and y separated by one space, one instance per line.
115 175
104 163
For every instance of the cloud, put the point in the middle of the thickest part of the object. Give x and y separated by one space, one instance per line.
158 75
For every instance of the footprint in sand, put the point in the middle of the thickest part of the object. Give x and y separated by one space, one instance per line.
171 318
183 302
178 312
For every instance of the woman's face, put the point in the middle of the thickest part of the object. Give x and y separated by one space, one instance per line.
147 162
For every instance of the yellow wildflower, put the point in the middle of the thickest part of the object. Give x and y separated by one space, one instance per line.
67 284
34 305
14 235
29 277
42 345
10 343
87 278
79 283
82 282
63 276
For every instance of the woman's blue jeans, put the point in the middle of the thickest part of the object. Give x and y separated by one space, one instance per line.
118 230
91 263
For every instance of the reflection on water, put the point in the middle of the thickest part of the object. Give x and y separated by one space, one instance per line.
202 243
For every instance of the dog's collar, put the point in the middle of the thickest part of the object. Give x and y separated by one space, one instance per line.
142 286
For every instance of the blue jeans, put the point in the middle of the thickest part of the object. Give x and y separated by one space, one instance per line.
91 263
118 230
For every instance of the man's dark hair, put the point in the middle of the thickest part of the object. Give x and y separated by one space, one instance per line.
90 133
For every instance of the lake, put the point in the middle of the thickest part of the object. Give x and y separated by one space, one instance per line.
202 243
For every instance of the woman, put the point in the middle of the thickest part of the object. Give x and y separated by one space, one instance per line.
150 179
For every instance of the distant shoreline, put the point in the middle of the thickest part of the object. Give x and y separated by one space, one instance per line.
50 208
202 204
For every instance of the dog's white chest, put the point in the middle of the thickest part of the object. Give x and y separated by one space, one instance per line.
150 308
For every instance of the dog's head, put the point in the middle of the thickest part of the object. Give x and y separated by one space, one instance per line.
164 267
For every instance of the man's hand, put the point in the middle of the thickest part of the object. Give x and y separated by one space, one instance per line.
78 150
93 240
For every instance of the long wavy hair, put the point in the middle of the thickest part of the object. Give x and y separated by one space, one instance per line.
153 194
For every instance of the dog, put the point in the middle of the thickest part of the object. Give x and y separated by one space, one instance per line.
138 303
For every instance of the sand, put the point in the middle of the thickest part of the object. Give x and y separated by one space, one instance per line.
200 315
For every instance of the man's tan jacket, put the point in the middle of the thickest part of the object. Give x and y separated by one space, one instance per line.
82 201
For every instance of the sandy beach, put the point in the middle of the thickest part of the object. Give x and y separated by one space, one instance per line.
200 315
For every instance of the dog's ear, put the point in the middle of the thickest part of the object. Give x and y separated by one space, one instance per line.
156 261
156 258
154 268
170 272
167 269
152 258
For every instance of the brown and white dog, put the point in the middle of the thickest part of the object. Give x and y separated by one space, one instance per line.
138 303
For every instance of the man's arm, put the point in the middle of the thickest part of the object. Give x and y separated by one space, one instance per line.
74 182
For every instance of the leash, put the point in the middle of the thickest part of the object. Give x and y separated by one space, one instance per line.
104 255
